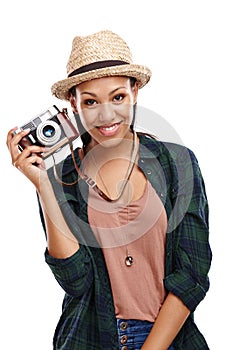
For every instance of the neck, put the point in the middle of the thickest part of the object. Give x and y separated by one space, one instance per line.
112 166
106 151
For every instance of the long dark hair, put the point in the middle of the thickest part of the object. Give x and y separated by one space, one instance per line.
85 136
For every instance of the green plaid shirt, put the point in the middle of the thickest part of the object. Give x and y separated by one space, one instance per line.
88 320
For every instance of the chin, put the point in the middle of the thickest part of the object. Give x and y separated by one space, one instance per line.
110 142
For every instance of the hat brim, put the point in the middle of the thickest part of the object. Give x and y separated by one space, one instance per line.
141 73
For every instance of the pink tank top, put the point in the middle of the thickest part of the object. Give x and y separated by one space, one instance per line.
139 230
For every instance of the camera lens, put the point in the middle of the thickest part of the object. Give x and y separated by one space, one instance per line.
48 133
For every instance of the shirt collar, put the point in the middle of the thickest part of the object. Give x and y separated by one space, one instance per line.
149 146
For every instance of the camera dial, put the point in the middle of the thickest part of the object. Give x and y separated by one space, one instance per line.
48 133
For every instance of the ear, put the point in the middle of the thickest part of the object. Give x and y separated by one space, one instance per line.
73 104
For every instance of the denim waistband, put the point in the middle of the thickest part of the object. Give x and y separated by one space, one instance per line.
133 333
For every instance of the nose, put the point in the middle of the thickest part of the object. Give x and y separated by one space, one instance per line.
106 113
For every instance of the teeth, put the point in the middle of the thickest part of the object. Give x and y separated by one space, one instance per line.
108 128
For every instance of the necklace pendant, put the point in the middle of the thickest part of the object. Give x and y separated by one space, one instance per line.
129 261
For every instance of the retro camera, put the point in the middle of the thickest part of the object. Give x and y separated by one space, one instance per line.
52 129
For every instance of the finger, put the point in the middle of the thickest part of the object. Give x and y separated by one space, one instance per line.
33 149
10 135
23 163
12 130
18 157
42 165
28 152
16 131
14 139
19 135
13 143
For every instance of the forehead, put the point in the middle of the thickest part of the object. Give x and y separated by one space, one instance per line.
104 82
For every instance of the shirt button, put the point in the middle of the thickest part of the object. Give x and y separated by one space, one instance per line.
123 326
149 172
124 339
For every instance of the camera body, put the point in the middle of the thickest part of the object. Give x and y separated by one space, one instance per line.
52 129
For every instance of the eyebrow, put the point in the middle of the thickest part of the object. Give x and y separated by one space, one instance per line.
110 93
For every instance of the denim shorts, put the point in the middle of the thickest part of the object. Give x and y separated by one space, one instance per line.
133 333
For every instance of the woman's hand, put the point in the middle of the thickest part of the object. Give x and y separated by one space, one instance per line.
171 318
61 242
29 161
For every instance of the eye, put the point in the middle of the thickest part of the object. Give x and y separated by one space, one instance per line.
118 97
90 102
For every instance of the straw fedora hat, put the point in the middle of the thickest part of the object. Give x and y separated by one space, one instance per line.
101 54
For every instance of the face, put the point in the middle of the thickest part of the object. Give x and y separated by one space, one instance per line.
105 108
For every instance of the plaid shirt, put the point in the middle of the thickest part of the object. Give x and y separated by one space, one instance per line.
88 319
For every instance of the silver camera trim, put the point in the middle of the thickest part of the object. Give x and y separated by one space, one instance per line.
48 141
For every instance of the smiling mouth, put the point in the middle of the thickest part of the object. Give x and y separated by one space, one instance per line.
109 130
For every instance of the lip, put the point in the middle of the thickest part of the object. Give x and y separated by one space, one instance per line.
109 130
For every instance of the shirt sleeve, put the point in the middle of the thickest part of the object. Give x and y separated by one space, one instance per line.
191 251
74 274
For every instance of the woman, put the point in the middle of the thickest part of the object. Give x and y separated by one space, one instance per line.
127 221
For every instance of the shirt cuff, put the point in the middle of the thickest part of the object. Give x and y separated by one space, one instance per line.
185 288
74 274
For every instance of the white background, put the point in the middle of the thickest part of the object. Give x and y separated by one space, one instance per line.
188 46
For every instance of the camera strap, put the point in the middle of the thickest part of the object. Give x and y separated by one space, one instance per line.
90 182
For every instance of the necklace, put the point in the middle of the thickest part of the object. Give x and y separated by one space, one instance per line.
89 181
129 260
132 161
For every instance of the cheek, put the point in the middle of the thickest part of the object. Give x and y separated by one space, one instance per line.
127 112
87 118
92 117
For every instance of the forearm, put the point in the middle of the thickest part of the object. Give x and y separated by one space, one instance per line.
61 242
167 325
